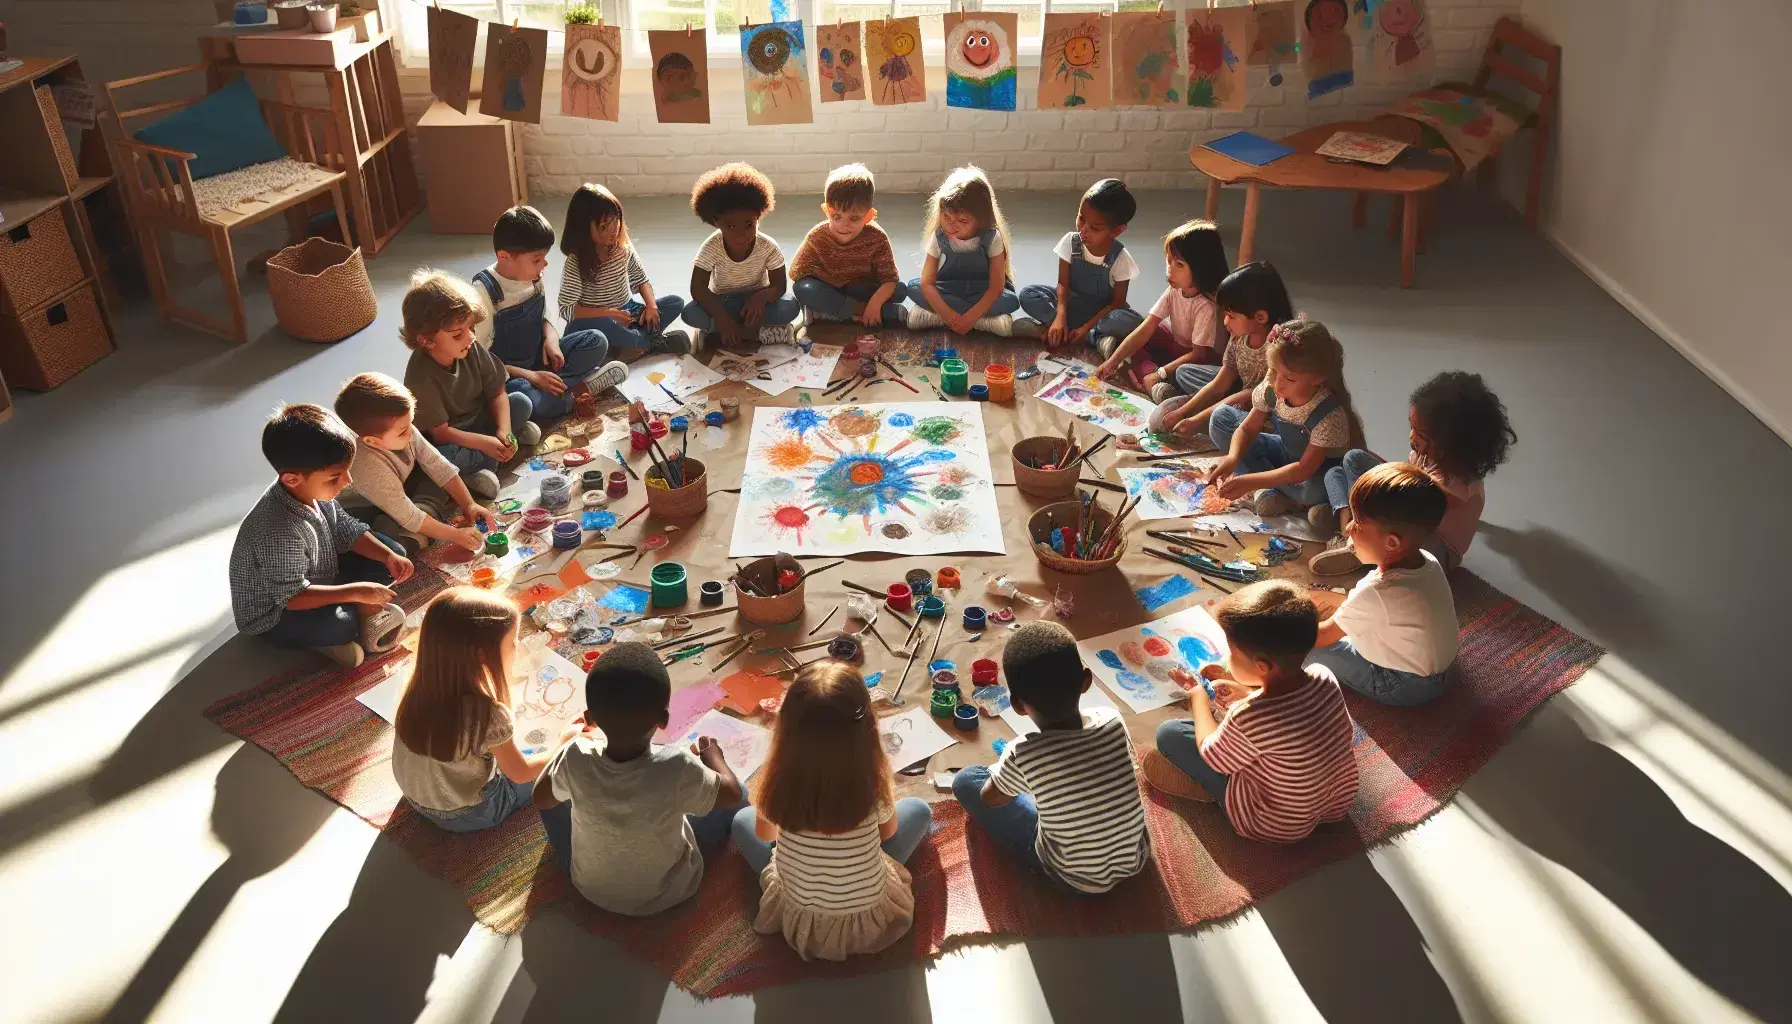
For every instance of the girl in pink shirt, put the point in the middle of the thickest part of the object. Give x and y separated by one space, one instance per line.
1184 326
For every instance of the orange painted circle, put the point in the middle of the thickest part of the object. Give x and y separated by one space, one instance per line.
1156 646
867 473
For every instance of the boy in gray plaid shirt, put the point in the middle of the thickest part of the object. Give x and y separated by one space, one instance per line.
303 571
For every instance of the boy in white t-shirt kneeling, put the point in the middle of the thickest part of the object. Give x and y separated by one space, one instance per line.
1394 638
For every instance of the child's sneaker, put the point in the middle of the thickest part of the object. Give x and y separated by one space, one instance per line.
1001 326
1338 559
1168 779
347 655
380 631
1324 518
1163 391
1271 502
896 314
528 434
1026 327
1106 344
920 319
673 342
482 484
776 334
606 376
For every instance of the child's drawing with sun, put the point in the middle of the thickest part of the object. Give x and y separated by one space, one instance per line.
1073 68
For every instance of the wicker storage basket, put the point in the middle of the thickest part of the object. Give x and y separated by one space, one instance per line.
46 104
1043 483
1065 513
679 502
320 290
40 350
37 262
762 575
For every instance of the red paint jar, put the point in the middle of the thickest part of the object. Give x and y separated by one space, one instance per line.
900 597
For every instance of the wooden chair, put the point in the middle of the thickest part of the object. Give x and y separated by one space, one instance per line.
159 193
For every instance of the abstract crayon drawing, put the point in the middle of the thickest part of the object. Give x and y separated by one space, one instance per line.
906 478
776 69
1276 40
1146 62
980 60
1172 493
840 62
1090 400
1218 42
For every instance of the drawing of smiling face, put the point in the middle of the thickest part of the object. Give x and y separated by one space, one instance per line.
1079 51
1327 17
902 44
978 50
1398 17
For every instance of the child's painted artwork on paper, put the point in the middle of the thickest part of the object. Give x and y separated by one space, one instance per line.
893 57
1074 58
980 60
1146 62
840 62
776 68
1218 41
680 76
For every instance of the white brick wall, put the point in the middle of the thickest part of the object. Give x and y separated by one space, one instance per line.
909 147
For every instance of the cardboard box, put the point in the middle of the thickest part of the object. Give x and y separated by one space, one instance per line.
472 168
366 25
297 47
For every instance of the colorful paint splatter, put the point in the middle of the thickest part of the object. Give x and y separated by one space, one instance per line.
1105 406
1172 493
910 478
1155 664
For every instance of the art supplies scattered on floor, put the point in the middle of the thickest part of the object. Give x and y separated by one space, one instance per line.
911 736
1103 405
665 383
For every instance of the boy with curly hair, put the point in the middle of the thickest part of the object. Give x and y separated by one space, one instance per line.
738 278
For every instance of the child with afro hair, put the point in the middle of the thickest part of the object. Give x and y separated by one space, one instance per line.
738 278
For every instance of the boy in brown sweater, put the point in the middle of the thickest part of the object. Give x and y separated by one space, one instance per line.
845 269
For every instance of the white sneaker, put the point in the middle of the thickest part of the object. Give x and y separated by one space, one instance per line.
1001 326
1271 502
1163 391
528 433
347 655
606 376
1338 559
1026 327
924 320
483 484
776 334
1106 344
381 630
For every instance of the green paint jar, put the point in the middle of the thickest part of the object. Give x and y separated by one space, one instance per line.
669 588
497 545
944 703
955 376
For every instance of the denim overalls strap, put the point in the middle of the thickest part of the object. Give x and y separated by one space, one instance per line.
1090 280
1295 435
964 266
516 332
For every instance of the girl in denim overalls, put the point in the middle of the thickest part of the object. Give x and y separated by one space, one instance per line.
1299 426
964 284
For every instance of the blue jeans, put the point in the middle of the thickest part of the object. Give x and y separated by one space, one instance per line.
912 818
962 295
333 624
497 801
1267 452
1040 301
781 310
585 351
837 303
469 461
1341 478
710 829
1014 825
1379 683
630 335
1176 741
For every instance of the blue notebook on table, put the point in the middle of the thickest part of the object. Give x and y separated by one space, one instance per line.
1249 148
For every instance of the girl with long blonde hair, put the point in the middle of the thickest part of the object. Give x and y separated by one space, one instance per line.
965 283
1299 426
825 832
454 749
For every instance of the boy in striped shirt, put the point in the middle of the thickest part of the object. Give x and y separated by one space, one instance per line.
1278 759
1064 799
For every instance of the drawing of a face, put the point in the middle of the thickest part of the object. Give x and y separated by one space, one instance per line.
592 60
901 43
1398 17
676 74
1327 17
769 51
978 49
1079 51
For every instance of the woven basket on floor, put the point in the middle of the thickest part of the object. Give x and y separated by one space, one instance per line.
762 575
679 502
1043 483
1065 513
40 350
320 290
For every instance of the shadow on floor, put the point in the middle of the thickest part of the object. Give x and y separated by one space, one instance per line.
1587 808
574 972
1619 609
1131 977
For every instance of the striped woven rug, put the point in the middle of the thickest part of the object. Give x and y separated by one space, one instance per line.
1411 762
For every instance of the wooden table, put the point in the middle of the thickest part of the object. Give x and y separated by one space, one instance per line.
1304 169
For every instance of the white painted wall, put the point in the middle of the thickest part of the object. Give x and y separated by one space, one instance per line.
1668 183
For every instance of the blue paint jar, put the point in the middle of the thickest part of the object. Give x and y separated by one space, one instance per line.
975 619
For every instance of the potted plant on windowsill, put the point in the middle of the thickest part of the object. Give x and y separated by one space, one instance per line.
588 76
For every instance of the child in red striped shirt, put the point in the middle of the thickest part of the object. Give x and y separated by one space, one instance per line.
1278 759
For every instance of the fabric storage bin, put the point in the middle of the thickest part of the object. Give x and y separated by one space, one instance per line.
41 349
37 262
320 290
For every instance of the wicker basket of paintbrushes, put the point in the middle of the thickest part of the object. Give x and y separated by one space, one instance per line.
684 501
1036 452
1107 541
760 600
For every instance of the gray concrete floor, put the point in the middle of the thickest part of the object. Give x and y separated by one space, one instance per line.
1627 857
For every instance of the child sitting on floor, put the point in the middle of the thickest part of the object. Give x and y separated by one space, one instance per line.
738 277
965 284
454 749
459 385
550 370
1094 271
1459 434
1299 426
1252 300
844 269
302 571
1394 638
388 457
827 836
630 821
1064 799
1279 759
602 276
1185 326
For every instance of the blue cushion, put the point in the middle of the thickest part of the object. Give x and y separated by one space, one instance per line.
225 131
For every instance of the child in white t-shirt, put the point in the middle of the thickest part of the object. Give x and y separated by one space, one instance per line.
1094 273
738 279
1394 638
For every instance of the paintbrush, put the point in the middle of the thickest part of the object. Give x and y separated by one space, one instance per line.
1206 575
1091 450
806 573
626 467
863 589
632 517
1102 483
1165 456
663 644
824 621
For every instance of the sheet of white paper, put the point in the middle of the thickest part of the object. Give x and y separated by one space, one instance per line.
806 371
744 744
548 698
1151 665
1103 405
1023 726
713 438
649 379
907 478
382 699
1051 366
911 736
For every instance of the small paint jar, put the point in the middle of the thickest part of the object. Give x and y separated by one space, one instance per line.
932 607
843 647
668 588
497 545
976 620
955 376
920 582
940 355
867 367
979 393
944 703
658 429
594 499
640 440
556 491
590 659
945 679
983 672
731 408
567 535
680 424
1002 615
536 520
900 597
850 350
618 484
964 717
713 417
999 379
591 480
576 457
946 578
484 576
709 595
